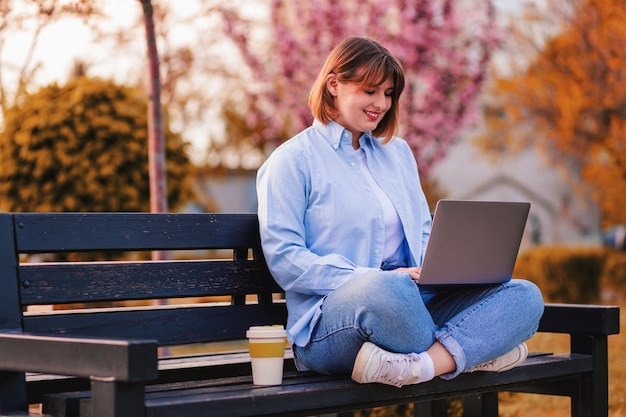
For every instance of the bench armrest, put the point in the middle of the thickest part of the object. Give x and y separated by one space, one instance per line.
122 360
580 319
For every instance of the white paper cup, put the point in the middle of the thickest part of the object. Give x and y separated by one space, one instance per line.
267 351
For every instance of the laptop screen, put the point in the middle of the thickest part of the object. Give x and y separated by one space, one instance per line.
473 242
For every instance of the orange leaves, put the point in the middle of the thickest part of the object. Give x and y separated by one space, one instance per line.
571 99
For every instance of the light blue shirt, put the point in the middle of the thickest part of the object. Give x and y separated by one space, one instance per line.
321 223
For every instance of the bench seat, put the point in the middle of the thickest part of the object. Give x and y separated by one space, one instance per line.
307 393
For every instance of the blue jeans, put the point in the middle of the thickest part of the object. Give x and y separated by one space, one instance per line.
475 324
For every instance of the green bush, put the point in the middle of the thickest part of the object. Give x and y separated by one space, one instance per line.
570 275
83 146
613 280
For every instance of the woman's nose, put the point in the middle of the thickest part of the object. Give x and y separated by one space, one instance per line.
381 101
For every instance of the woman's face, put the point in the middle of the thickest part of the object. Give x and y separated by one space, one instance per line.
360 109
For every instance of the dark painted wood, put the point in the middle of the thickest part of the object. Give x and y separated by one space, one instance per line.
74 282
168 325
51 232
580 319
309 393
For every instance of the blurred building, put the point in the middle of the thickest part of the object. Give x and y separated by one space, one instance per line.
559 214
225 191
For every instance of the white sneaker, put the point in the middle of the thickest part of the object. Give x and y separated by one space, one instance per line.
374 364
505 362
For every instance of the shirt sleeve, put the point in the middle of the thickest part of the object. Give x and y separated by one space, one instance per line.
283 184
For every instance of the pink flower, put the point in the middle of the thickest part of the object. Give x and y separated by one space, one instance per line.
444 45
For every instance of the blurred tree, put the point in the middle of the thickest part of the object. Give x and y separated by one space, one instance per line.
444 45
570 100
279 47
82 147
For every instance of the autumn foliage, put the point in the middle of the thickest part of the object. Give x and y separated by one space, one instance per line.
82 147
570 101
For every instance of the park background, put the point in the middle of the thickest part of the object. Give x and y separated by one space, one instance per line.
506 100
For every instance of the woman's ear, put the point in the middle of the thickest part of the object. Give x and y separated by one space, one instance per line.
331 84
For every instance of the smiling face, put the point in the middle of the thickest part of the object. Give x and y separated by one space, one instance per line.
360 107
359 86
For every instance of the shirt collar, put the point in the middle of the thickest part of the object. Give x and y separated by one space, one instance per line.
334 133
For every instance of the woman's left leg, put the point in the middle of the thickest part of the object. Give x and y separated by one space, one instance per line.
478 324
381 307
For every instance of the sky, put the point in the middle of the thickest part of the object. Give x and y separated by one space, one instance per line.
61 43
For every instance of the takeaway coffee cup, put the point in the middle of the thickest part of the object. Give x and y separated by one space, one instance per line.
267 351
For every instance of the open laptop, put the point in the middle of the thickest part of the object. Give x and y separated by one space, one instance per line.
473 242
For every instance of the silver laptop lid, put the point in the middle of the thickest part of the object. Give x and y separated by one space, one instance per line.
473 242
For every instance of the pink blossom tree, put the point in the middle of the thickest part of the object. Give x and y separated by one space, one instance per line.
444 46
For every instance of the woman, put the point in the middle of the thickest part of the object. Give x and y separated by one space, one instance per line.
344 226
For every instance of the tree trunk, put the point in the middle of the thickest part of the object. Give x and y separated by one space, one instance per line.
156 136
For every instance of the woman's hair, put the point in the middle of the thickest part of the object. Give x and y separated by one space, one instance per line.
365 62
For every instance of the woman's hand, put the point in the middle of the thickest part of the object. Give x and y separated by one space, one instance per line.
414 272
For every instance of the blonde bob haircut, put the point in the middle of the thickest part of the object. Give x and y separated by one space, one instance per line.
365 62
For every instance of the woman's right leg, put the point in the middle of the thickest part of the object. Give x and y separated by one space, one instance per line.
383 307
478 324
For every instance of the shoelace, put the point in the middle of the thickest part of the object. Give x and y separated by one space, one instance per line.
397 370
484 365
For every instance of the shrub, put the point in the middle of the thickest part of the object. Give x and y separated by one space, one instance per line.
83 146
613 280
570 275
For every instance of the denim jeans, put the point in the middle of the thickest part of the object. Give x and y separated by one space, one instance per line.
475 324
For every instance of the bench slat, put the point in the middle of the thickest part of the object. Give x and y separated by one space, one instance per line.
51 232
78 282
169 325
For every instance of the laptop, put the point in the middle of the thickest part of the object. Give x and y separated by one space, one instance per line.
473 242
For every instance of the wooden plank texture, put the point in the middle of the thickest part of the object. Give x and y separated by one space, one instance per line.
82 282
303 394
169 325
45 232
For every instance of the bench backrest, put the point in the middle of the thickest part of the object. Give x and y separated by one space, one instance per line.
242 280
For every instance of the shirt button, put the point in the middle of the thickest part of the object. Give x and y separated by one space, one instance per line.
379 217
353 164
377 251
368 189
346 134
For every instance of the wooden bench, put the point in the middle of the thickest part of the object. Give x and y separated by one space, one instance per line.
102 360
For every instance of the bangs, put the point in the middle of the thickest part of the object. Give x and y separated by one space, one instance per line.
378 72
